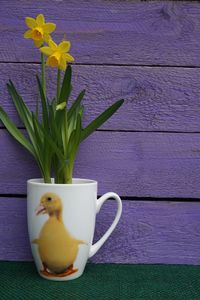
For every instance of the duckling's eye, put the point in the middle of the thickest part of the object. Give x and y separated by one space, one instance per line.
49 199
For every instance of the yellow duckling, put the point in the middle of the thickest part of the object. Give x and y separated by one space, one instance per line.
57 248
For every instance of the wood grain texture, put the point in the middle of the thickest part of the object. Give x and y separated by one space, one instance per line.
156 99
148 232
109 32
131 164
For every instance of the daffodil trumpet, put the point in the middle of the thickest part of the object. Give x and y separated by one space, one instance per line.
55 135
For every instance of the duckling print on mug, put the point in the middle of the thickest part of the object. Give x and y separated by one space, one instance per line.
57 248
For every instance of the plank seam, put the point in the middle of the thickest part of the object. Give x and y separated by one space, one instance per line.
128 198
124 130
110 65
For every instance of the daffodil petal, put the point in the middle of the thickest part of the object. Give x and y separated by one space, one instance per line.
28 34
47 37
64 46
68 57
40 19
49 27
38 44
46 50
30 22
47 62
62 64
52 45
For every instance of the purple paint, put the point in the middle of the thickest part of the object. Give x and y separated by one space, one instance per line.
112 32
164 99
149 232
129 163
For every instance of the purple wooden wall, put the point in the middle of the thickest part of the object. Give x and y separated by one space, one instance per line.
149 152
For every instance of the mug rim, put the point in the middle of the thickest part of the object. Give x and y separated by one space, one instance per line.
75 182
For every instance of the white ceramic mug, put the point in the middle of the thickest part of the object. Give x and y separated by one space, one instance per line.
61 223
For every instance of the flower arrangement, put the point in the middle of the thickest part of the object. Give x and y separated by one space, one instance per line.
55 137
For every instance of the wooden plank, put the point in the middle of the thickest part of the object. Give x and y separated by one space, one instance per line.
149 232
122 32
156 99
131 164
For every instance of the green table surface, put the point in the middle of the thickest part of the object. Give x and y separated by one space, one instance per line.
19 280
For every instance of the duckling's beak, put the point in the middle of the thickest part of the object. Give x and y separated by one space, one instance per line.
40 210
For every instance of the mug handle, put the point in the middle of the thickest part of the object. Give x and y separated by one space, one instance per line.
94 248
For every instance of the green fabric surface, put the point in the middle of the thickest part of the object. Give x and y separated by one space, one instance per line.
19 280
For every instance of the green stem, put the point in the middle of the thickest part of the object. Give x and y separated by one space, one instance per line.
47 175
43 73
69 172
47 179
58 85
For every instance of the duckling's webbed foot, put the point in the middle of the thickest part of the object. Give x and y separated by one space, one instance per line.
68 272
45 271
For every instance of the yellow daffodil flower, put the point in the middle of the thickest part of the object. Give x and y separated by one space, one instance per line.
39 31
57 54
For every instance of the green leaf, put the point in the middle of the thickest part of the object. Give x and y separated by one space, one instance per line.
72 122
44 104
101 119
38 142
71 143
66 86
75 139
76 104
78 132
24 114
52 143
44 152
22 109
27 119
81 110
64 131
37 107
15 132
